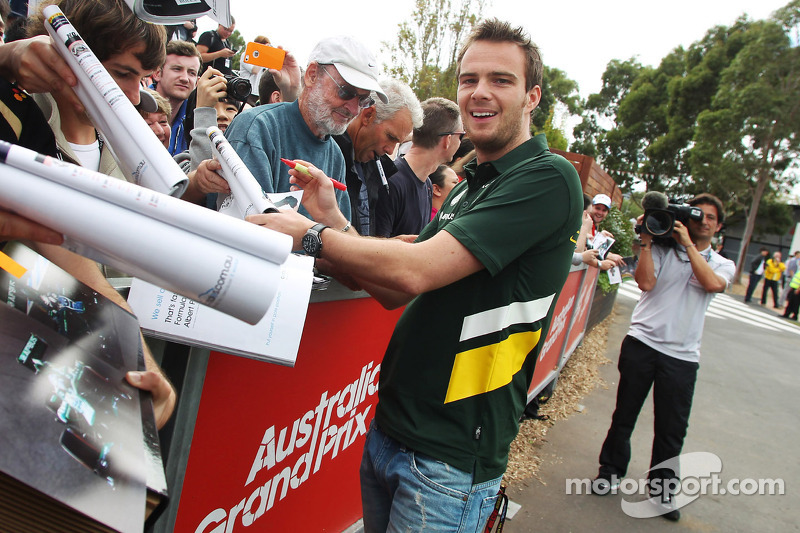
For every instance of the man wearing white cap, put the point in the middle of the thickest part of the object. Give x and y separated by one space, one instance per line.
338 82
601 204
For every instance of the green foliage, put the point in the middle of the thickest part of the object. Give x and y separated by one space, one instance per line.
600 109
632 206
557 91
425 50
555 135
237 43
604 284
557 88
746 142
774 217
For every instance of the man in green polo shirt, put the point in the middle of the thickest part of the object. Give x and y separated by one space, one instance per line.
487 270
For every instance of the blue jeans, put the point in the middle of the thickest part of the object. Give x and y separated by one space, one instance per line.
403 490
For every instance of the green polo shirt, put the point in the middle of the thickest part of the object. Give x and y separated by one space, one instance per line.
455 376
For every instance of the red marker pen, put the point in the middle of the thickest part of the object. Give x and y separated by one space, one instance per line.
302 168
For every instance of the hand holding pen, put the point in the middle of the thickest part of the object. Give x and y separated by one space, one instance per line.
319 198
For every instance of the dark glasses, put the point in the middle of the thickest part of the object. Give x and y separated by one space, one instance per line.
459 133
348 93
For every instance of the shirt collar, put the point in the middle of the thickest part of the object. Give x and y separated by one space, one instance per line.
683 254
479 175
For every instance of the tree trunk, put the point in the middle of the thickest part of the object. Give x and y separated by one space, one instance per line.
763 179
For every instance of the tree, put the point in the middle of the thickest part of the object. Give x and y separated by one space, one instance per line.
600 113
722 116
653 112
425 51
237 43
557 89
554 134
746 144
602 107
559 95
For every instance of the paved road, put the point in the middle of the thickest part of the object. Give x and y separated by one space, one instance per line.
745 412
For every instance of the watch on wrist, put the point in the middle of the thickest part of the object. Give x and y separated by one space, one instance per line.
312 240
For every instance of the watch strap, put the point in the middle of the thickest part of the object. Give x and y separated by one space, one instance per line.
318 227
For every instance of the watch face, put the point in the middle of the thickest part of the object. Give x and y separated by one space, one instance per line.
311 244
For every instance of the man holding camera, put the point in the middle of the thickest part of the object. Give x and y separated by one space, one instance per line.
662 349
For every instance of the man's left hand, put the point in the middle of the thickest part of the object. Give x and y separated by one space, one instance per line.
681 234
287 221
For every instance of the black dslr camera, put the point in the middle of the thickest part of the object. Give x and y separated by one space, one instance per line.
238 88
660 221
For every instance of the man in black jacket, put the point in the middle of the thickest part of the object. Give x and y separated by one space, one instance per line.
369 139
756 273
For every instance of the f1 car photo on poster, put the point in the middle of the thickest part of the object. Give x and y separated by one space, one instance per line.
72 426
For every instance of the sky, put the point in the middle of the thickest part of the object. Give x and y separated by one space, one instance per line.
579 37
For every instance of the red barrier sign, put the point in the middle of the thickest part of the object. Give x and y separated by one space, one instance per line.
278 449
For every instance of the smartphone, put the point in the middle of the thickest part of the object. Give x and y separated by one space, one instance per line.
263 55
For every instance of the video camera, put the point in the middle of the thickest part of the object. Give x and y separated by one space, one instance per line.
660 216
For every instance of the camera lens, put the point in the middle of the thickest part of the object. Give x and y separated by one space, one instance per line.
658 223
238 88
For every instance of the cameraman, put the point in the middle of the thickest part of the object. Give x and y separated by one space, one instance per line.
662 349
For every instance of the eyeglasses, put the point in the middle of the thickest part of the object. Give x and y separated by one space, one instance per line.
348 93
459 133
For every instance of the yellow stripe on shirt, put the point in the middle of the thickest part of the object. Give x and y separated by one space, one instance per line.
487 368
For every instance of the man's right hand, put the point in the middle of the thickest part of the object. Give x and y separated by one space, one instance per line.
16 227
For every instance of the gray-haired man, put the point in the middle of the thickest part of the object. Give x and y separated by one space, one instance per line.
369 138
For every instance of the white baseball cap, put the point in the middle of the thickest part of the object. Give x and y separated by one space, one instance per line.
354 62
602 199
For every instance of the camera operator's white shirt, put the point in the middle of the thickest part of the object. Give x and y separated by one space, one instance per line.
670 317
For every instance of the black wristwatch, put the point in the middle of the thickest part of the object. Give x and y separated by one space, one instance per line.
312 241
